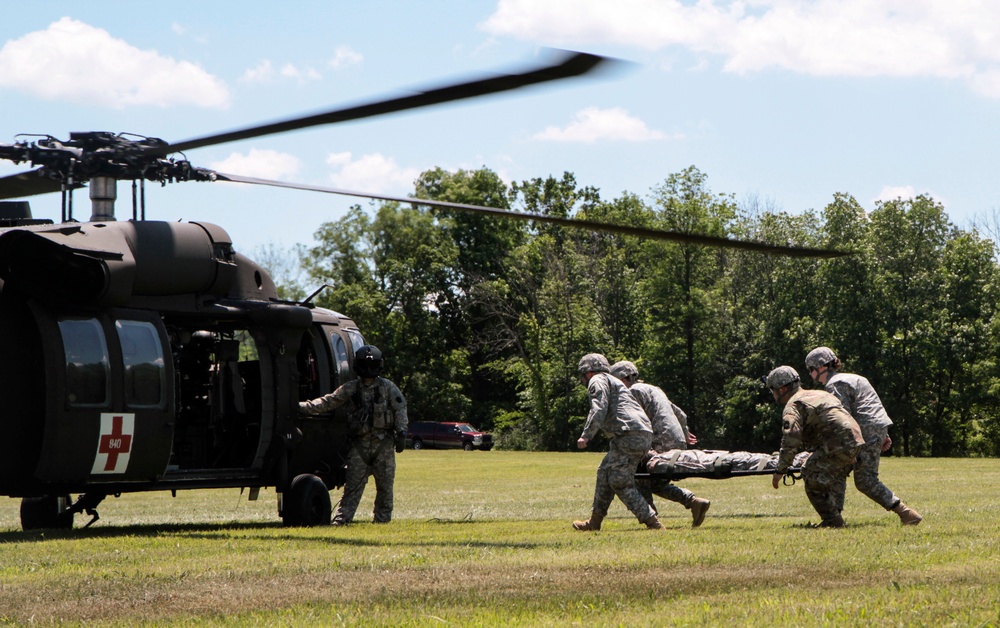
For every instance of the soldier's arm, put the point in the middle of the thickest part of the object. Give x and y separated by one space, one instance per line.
599 399
326 403
398 404
792 421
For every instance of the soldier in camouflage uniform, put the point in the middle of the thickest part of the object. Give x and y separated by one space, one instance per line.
815 420
861 400
376 424
616 413
669 432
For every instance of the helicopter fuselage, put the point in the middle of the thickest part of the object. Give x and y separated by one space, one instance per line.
142 356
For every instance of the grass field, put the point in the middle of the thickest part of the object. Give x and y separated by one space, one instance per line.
484 538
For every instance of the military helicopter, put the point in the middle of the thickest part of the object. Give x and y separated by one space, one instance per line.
143 355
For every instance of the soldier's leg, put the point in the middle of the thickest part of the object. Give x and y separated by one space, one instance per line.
354 485
821 476
866 478
603 493
623 458
674 493
645 488
384 472
603 496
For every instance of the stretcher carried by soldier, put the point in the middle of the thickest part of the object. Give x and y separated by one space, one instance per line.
677 464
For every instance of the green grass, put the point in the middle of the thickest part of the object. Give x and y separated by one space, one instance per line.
484 538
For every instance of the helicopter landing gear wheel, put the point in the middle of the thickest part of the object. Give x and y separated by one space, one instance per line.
307 502
46 512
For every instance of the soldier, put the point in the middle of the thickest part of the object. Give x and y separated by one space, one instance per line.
376 424
815 420
669 432
616 413
857 395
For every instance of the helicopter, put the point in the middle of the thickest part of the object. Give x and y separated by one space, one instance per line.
143 355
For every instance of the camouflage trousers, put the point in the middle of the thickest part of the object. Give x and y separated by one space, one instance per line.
374 456
866 478
616 475
825 476
663 488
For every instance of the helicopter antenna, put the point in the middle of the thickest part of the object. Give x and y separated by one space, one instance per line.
309 298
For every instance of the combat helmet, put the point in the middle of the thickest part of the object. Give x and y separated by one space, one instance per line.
593 362
781 376
625 370
820 356
368 361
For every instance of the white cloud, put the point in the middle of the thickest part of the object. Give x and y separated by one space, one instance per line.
893 192
300 74
870 38
370 173
263 72
73 61
345 56
593 124
260 163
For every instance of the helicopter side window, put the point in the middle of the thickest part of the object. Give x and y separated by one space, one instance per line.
142 355
357 340
87 363
340 352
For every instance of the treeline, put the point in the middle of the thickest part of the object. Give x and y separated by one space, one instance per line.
484 319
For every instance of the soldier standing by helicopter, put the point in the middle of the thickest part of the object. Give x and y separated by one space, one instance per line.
376 423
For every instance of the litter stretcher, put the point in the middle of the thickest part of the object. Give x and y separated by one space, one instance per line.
677 464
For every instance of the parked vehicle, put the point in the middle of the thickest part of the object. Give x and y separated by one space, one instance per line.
447 435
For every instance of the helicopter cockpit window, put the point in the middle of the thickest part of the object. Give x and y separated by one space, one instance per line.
87 363
357 340
340 351
142 355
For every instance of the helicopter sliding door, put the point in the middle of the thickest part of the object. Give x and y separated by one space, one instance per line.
110 401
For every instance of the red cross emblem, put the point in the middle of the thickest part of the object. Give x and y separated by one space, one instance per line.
114 445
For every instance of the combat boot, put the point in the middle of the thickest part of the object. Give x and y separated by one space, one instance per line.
836 521
699 507
654 523
594 523
907 515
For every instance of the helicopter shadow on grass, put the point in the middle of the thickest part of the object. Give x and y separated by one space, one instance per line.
223 531
140 530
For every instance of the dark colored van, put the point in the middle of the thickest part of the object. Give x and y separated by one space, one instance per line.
428 434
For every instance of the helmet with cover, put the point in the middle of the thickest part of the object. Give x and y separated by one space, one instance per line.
625 370
820 356
593 362
781 376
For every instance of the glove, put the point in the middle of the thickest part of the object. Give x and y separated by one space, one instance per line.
400 441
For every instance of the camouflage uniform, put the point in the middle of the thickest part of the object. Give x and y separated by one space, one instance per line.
376 412
616 413
668 433
861 400
815 420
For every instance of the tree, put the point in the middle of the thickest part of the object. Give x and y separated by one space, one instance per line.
907 239
394 274
683 340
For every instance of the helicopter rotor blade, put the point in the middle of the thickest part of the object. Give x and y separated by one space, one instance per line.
640 232
575 64
28 183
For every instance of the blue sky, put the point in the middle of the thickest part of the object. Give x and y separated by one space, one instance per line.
785 102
